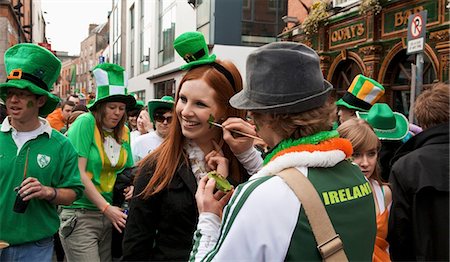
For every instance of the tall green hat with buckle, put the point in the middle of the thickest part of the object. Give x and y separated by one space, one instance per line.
388 125
164 102
192 47
34 68
362 94
111 81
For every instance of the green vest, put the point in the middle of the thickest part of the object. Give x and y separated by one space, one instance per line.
348 199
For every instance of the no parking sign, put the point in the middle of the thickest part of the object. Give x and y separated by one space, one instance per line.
417 24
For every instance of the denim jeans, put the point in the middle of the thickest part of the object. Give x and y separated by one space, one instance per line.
39 251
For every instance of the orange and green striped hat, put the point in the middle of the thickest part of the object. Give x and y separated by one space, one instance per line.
362 94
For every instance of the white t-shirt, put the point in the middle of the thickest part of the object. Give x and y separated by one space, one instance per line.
144 144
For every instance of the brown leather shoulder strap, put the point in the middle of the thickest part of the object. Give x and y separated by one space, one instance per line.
329 243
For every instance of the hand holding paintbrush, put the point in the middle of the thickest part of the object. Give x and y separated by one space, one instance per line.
212 123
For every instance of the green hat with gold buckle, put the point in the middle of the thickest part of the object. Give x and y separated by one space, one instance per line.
192 47
34 68
111 81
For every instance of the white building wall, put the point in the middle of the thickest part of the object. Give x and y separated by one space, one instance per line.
185 21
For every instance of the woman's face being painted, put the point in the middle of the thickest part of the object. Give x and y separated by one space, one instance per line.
196 102
366 160
114 112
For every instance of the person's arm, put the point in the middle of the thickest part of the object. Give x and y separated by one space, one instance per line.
254 227
400 230
113 213
242 146
140 230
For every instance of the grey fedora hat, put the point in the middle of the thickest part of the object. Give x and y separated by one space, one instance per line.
283 77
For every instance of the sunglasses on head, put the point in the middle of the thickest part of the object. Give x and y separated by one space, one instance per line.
161 118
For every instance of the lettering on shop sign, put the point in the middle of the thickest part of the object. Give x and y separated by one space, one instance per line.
401 18
346 194
394 18
347 34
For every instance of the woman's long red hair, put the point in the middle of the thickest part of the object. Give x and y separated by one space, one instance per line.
166 158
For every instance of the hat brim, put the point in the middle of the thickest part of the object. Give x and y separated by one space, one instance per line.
196 63
153 105
47 108
341 102
243 101
129 101
399 132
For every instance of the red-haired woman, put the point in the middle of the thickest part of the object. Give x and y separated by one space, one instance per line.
163 214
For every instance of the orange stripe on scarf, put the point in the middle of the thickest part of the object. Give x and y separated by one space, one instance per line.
327 145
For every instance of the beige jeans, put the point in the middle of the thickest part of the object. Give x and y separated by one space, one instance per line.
85 235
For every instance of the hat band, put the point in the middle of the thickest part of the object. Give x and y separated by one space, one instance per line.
17 74
194 57
354 101
392 130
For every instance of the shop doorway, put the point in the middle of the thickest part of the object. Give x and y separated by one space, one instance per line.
343 76
397 81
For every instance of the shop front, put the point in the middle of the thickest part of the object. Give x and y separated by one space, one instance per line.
375 45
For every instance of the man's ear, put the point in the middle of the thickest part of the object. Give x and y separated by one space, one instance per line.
41 101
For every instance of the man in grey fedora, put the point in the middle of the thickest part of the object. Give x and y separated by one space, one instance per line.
288 103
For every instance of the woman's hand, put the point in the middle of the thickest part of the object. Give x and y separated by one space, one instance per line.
207 200
238 144
128 192
216 161
116 216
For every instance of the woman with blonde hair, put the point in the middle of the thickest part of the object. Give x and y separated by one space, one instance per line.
163 212
366 146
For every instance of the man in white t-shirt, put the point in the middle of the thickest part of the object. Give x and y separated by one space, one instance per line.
160 111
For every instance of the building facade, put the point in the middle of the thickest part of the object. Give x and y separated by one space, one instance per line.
374 44
232 29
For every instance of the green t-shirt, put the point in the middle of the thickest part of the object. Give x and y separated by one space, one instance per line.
54 162
86 138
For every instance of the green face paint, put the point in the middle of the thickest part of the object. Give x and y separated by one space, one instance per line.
30 104
210 120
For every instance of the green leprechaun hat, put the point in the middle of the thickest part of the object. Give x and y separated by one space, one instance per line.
111 81
164 102
191 46
387 125
34 68
362 94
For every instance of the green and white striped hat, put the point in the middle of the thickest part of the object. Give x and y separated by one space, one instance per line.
111 81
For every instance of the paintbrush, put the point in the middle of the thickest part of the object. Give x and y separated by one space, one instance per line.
234 131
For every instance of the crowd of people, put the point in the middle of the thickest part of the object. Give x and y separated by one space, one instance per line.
276 170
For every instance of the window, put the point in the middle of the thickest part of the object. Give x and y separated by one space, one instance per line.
165 88
140 95
261 21
204 18
131 41
342 3
116 55
144 36
167 20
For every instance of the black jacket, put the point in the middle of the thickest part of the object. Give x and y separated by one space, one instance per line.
419 217
162 226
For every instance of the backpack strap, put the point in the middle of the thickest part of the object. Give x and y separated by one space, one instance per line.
329 243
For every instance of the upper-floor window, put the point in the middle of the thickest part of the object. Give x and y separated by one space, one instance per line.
167 19
342 3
